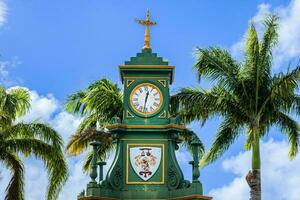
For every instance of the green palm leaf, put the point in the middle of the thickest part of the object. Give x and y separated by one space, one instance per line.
15 188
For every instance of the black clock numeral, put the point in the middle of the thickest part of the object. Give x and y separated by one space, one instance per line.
155 94
141 108
146 88
156 99
151 109
135 99
141 90
145 109
155 104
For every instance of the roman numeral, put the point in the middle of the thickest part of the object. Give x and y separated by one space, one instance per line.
155 104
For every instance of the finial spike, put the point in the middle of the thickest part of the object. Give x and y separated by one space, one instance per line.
147 23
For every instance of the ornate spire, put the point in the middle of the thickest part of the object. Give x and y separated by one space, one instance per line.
147 23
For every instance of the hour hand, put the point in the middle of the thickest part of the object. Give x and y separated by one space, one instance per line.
147 94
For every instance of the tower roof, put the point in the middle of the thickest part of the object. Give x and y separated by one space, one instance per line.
146 57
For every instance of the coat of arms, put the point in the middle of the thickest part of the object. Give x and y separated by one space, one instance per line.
145 161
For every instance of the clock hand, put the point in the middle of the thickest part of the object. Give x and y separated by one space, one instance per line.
147 94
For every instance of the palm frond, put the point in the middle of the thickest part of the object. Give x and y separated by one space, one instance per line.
216 64
15 188
252 62
226 135
74 103
195 104
80 141
106 99
187 102
269 41
52 157
282 90
291 128
21 97
35 130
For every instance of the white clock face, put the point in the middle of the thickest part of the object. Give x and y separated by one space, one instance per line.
146 98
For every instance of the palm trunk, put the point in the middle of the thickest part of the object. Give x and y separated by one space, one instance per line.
253 177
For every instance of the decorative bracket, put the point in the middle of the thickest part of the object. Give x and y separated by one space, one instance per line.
129 82
129 115
163 114
163 82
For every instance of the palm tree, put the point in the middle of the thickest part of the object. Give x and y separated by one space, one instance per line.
248 96
33 138
98 104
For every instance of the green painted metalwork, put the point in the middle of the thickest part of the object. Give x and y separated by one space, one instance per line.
157 131
146 57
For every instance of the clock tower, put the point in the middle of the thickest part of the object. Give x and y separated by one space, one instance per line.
145 165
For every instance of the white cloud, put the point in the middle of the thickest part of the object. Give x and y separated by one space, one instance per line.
77 180
42 107
289 37
263 10
65 123
3 12
5 78
280 176
289 40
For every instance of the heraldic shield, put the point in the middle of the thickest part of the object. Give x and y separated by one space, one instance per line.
145 160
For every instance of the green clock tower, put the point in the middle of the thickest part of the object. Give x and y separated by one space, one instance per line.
145 165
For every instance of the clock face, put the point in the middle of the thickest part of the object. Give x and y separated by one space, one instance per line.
146 98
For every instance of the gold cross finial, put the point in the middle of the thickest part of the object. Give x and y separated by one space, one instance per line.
146 23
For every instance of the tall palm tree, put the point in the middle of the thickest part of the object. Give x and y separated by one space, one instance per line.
248 96
98 104
28 139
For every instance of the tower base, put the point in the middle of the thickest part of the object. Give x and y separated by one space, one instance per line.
192 192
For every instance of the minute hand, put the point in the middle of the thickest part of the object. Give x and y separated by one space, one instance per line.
147 94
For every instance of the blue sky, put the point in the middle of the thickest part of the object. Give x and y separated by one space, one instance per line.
56 48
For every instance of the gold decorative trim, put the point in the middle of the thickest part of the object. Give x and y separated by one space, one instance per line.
163 82
145 77
163 115
145 182
96 198
146 66
131 98
193 197
147 139
145 126
147 23
129 115
129 82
